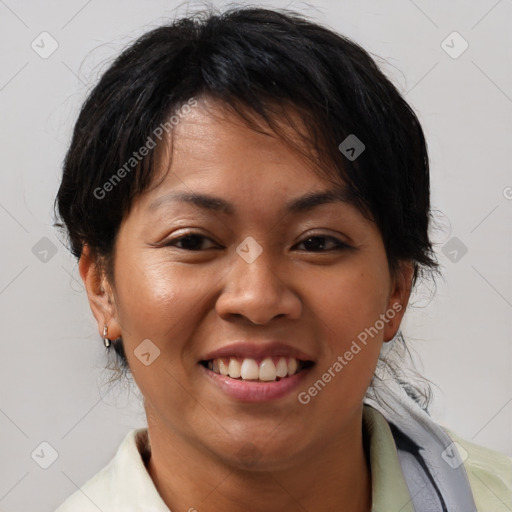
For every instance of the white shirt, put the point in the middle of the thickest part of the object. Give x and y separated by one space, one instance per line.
124 485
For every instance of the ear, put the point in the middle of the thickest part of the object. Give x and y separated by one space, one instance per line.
99 293
398 299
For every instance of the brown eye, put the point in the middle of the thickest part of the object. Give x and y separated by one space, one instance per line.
189 242
319 244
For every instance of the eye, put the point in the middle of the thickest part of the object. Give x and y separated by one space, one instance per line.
189 242
318 243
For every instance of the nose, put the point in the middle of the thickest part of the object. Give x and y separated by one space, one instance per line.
258 291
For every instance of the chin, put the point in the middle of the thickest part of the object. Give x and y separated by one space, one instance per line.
260 452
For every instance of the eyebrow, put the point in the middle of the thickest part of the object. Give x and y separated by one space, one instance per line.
297 205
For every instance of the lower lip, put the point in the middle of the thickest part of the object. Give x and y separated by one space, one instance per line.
252 391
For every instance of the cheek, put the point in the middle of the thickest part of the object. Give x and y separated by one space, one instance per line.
144 293
352 345
352 309
161 301
156 301
351 302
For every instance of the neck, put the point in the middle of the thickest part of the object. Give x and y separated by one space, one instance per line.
335 478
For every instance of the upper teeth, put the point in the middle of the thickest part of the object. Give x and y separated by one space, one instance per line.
249 369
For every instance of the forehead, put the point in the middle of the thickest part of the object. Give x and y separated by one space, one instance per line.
215 163
212 145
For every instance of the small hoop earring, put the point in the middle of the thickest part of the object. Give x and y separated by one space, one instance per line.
106 341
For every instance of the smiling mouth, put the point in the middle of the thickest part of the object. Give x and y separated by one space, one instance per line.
266 369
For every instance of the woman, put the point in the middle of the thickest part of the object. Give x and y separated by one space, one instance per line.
248 197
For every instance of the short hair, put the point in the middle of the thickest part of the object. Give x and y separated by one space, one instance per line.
263 64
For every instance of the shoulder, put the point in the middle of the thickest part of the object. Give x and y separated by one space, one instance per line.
489 473
92 495
123 484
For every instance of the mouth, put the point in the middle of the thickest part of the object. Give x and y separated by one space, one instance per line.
263 369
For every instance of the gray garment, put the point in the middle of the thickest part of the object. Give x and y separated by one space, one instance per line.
432 467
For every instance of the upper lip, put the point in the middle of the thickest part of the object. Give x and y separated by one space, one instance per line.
245 349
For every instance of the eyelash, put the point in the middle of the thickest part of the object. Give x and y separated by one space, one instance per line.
339 245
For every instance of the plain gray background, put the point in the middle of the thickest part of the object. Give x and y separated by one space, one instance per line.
52 358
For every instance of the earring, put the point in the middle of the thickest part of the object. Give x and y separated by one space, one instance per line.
106 341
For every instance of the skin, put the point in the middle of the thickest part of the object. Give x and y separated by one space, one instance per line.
209 451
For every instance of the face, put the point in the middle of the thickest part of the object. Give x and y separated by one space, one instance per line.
245 275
